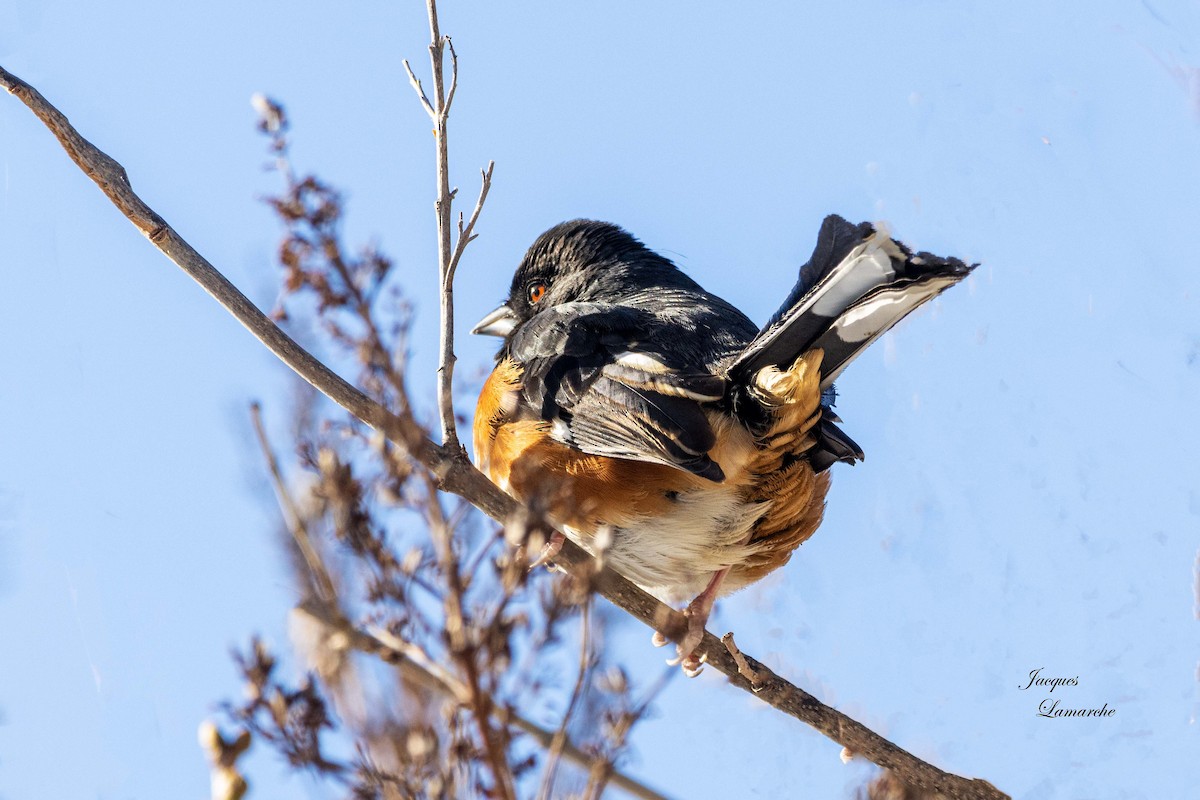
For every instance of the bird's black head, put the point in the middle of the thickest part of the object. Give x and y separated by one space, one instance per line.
580 261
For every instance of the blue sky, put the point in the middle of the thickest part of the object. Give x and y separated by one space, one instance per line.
1029 498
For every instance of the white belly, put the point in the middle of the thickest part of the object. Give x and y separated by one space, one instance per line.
674 556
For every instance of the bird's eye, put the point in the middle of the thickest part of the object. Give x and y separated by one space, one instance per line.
536 292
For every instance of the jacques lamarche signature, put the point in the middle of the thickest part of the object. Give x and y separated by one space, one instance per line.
1049 707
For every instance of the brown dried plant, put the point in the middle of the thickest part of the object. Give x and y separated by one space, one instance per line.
428 642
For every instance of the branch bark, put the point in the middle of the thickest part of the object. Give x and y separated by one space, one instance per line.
455 474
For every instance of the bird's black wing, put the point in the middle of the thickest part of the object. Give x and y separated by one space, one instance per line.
595 372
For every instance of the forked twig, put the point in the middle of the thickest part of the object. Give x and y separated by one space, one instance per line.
439 113
465 234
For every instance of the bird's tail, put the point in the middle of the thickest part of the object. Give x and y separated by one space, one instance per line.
857 285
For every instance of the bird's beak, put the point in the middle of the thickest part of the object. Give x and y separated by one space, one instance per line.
498 323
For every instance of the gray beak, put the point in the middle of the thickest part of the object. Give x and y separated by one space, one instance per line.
498 323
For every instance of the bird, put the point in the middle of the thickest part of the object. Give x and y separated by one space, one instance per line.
664 431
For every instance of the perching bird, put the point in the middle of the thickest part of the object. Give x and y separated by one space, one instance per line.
659 425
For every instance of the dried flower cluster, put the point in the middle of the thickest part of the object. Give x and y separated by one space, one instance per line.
428 642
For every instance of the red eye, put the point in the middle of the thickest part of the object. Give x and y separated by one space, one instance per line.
536 292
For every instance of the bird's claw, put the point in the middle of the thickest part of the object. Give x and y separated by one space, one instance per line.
696 615
549 550
693 666
691 663
685 651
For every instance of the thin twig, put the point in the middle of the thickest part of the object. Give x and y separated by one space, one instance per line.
378 354
420 90
598 777
560 736
453 73
739 659
439 112
442 209
476 561
465 235
604 769
414 657
294 520
464 648
455 474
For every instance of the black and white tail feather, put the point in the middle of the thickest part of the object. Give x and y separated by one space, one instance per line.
857 285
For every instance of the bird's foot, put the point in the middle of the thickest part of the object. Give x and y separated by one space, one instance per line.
697 614
686 657
692 664
549 550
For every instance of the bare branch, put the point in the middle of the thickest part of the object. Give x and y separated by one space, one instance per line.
560 736
739 659
465 235
442 210
420 90
455 474
439 112
463 648
453 78
294 520
112 180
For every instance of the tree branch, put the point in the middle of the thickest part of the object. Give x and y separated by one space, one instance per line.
423 671
455 474
440 113
112 180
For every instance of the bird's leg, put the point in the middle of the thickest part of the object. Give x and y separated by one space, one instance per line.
697 614
549 550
